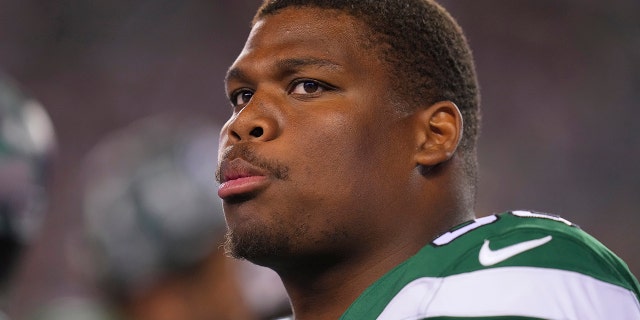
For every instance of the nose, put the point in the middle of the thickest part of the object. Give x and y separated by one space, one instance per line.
255 122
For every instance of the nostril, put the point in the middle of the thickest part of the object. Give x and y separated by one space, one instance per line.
256 132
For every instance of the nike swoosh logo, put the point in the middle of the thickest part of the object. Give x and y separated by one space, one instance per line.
490 257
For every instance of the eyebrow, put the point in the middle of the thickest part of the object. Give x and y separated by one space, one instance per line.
297 63
286 67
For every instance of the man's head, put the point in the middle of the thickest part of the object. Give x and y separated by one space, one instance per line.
343 133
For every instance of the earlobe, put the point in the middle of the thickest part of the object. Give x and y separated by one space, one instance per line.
439 133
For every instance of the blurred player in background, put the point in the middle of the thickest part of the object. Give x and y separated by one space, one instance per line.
27 143
156 226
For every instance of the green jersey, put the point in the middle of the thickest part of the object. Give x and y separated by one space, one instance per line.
517 265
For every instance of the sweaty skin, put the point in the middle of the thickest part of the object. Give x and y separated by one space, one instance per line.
320 171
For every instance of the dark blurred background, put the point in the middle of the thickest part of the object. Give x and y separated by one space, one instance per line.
560 93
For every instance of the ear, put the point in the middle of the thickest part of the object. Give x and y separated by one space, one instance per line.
439 130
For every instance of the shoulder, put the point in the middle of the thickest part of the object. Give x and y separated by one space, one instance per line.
529 239
517 263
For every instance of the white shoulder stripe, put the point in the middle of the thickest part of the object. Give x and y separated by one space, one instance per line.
529 214
452 235
513 291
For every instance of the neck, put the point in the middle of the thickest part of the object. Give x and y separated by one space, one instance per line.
326 293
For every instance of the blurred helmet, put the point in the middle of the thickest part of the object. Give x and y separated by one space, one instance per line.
27 142
150 203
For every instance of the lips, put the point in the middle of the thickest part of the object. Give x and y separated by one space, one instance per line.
240 178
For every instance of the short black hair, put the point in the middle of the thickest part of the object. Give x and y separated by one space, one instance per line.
427 53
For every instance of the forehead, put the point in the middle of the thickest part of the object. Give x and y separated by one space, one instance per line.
323 24
307 34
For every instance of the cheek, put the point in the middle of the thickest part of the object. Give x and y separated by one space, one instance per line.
332 143
339 153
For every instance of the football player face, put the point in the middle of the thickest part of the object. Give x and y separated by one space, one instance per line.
315 153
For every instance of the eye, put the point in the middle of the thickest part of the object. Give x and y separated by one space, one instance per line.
241 97
305 87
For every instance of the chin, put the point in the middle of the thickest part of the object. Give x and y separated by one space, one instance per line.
261 244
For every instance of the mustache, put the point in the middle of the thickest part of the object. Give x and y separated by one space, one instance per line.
247 153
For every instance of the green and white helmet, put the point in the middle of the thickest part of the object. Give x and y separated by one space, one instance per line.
150 203
27 142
